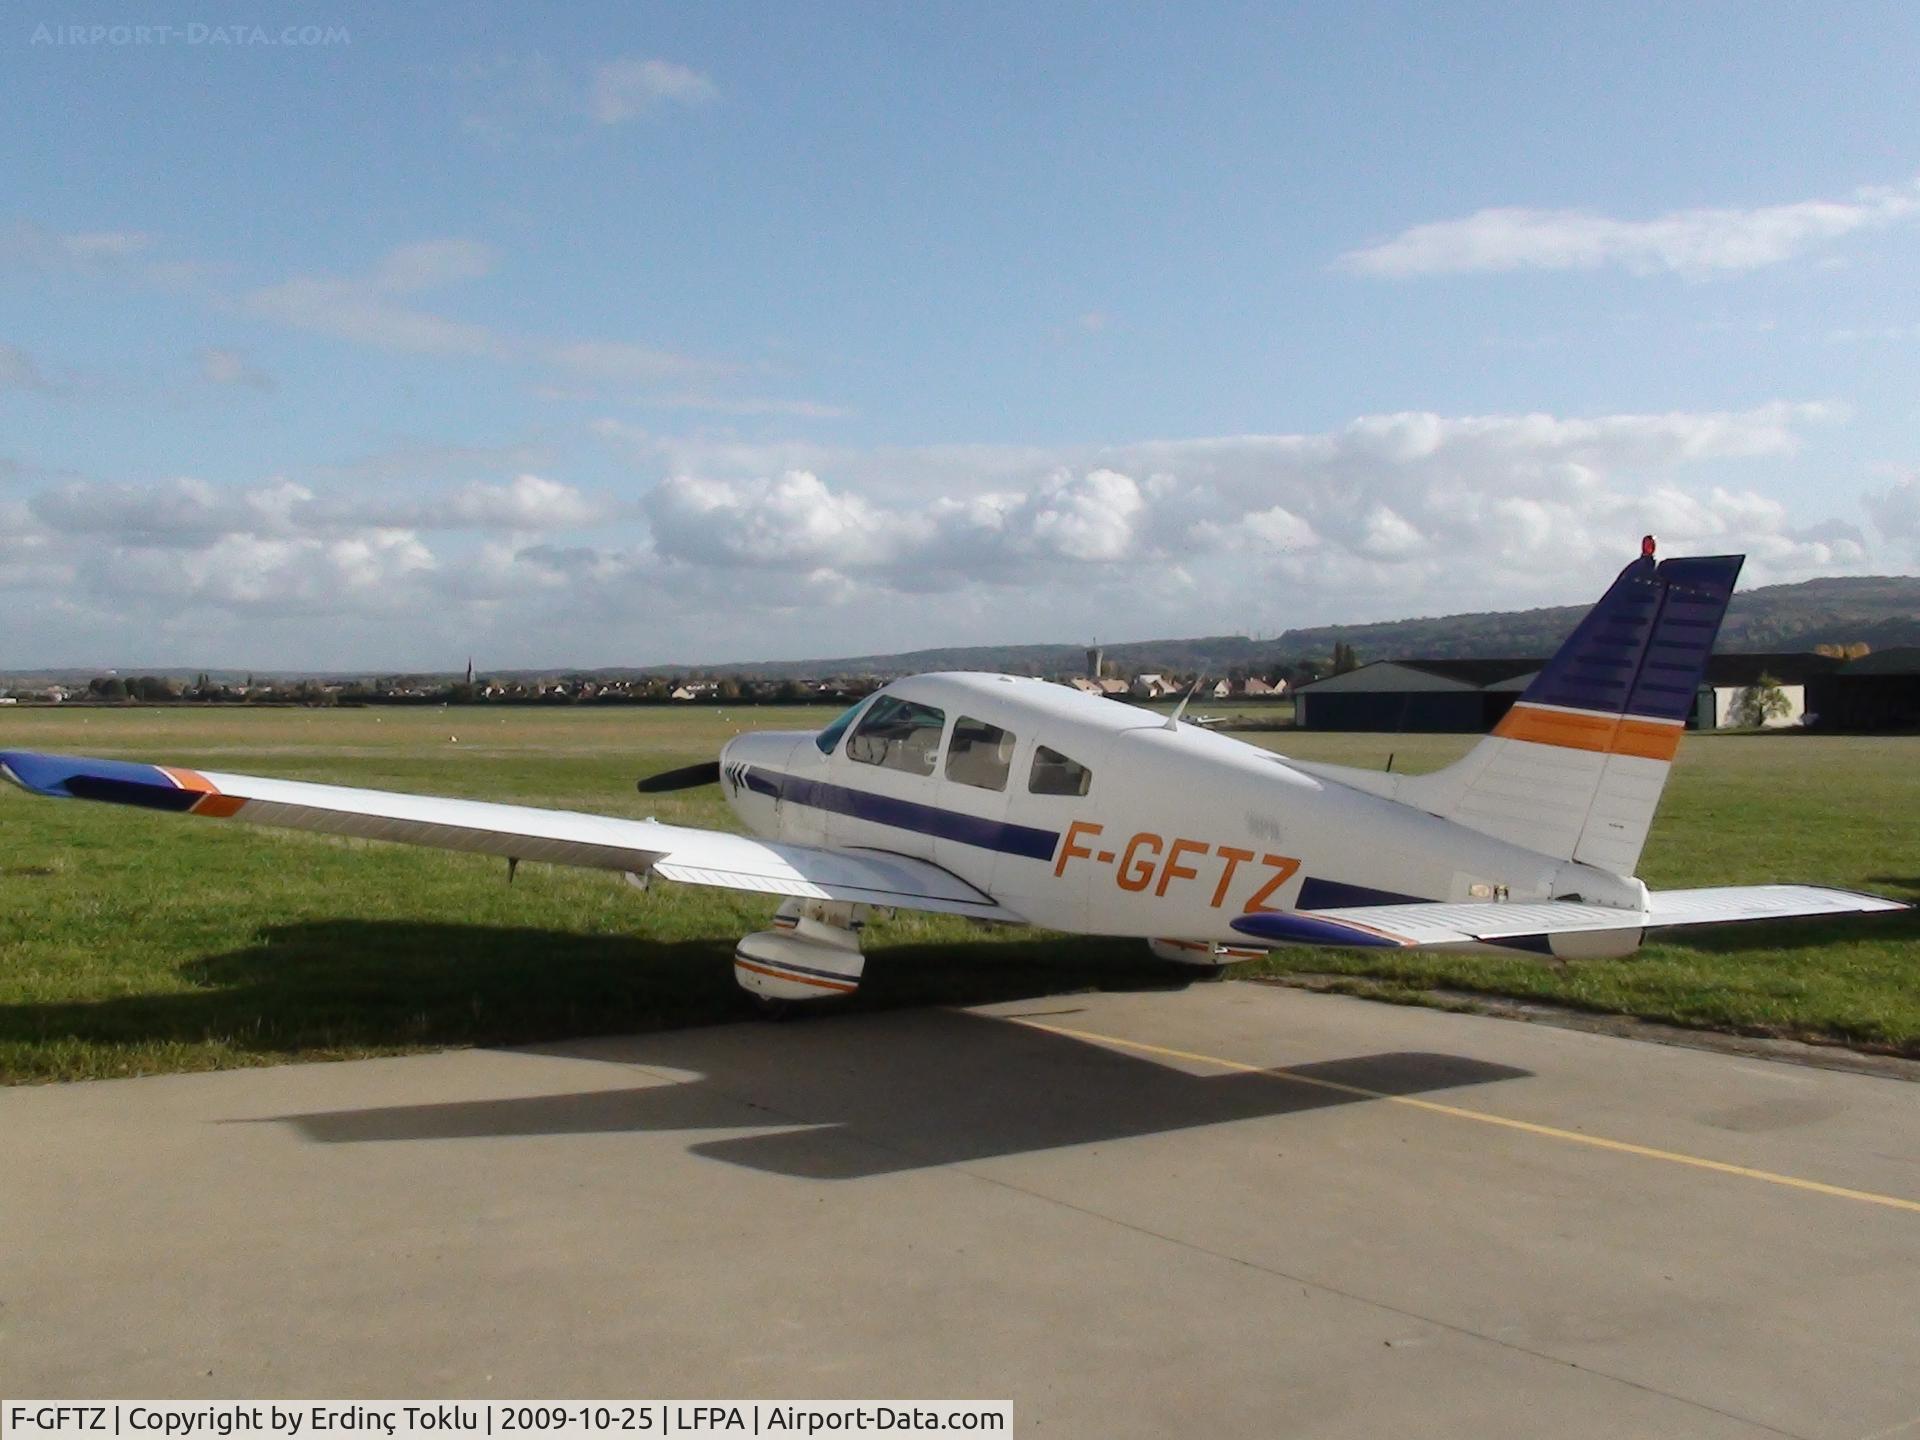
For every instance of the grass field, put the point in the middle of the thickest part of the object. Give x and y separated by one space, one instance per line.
132 942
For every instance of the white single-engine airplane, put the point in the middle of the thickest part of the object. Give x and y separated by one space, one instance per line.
1016 800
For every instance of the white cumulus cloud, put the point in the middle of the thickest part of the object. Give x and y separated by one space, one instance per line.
26 245
185 512
719 550
1896 511
1487 510
1693 242
628 87
371 309
220 366
621 362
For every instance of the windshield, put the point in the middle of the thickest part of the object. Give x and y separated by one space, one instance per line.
830 737
899 735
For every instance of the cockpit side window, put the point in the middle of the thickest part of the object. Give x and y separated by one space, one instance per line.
898 735
1054 774
979 754
830 737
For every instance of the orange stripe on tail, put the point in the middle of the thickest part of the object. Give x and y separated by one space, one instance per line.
1649 739
1601 734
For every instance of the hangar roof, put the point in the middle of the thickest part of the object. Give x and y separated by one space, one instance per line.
1901 660
1789 668
1396 675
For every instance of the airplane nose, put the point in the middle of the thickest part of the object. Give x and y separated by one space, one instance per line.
766 749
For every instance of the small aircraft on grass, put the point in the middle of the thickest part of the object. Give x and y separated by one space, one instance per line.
1018 801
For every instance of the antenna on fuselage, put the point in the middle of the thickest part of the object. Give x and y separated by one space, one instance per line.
1173 720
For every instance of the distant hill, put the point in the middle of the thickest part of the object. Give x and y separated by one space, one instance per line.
1882 610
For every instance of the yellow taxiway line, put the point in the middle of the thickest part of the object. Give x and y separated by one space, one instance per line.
1458 1112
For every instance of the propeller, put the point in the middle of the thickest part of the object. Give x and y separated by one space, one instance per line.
685 778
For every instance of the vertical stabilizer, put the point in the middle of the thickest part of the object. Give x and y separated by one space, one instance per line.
1576 767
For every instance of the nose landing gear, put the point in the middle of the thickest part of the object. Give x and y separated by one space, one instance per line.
811 953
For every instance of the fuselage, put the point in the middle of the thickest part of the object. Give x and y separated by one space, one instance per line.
1083 814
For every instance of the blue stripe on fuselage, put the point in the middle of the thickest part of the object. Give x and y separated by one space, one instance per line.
1024 840
1318 894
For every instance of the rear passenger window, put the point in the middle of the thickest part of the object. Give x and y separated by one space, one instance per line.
1054 774
979 754
898 735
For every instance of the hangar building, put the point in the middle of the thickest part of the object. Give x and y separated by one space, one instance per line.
1876 692
1438 696
1469 696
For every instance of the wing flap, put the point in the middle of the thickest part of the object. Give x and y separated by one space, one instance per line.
561 837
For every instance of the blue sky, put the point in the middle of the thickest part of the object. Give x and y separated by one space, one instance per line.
608 334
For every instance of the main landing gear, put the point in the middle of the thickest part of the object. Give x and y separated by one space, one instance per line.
811 953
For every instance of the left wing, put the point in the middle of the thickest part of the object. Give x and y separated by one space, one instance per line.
1442 923
522 832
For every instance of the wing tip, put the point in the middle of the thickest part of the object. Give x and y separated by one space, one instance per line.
1875 903
124 782
25 769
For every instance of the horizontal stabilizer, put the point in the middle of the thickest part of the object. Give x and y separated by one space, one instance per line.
516 832
1726 904
1422 924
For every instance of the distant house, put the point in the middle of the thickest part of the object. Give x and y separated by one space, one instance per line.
1151 687
1220 689
1112 689
1256 686
1730 676
685 692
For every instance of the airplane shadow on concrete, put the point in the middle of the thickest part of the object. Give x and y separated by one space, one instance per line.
859 1096
879 1084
